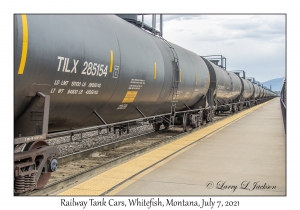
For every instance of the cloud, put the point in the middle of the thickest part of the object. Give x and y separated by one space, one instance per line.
217 28
255 43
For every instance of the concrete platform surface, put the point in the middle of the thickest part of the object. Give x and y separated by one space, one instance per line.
247 157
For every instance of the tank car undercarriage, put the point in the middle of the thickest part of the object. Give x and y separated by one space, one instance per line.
35 160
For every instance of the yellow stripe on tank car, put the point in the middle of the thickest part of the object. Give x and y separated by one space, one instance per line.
180 76
111 61
24 44
154 71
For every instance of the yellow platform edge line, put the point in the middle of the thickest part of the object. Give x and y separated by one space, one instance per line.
114 177
142 174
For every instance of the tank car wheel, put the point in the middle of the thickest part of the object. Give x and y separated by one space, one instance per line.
233 109
208 117
186 123
44 177
198 124
198 121
241 107
212 117
156 126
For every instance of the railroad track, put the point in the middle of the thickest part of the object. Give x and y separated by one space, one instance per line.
87 163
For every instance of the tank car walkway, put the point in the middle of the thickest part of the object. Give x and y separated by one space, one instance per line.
244 154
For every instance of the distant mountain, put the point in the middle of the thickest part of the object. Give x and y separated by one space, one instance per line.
275 83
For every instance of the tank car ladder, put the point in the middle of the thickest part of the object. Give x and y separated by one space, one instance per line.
175 82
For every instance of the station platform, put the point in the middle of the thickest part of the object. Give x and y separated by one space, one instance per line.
244 154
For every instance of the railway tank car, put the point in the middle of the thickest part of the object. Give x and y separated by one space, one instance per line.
107 71
247 91
75 72
227 87
256 88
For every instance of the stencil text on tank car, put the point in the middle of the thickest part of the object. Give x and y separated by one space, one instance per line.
89 68
68 65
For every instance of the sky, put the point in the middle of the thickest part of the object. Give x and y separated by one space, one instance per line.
253 43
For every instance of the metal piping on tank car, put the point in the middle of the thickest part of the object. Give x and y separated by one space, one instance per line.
238 71
141 24
223 65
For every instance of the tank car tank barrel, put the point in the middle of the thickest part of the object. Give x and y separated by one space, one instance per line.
83 71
